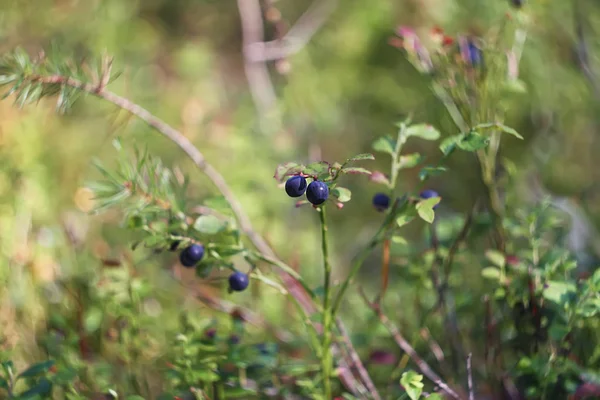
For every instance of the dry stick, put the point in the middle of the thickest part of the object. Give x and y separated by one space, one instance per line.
408 349
470 377
582 50
358 364
257 73
198 158
297 36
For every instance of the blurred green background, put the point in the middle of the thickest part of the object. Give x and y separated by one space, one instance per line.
182 59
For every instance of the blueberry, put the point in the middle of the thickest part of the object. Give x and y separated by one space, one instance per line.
234 339
475 56
191 255
295 186
428 194
381 201
317 192
238 281
210 333
517 3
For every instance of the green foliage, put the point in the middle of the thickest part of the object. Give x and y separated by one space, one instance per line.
31 79
107 326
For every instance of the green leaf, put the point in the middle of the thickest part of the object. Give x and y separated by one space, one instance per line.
283 169
435 396
37 369
356 170
515 86
209 224
317 168
342 194
491 273
424 131
42 388
93 319
559 292
4 79
496 125
510 131
360 157
448 145
385 144
404 219
399 240
413 384
410 160
134 397
234 393
473 141
426 214
425 208
495 257
430 171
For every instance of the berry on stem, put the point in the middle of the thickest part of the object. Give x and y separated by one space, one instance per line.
381 201
475 56
295 186
428 194
191 255
238 281
317 192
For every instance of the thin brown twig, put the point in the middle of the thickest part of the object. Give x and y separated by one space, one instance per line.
357 363
198 158
470 377
408 349
257 73
297 36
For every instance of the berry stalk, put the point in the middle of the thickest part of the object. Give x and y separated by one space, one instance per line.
326 356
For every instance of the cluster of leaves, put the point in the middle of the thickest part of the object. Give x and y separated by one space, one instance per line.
34 382
31 79
154 201
551 318
209 364
471 73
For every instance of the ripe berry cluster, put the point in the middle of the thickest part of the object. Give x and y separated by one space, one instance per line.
193 254
317 192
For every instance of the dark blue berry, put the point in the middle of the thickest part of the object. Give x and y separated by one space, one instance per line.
238 281
317 192
295 186
381 201
428 194
475 56
234 339
211 333
191 255
517 3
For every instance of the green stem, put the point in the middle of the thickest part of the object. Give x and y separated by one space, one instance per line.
326 356
399 206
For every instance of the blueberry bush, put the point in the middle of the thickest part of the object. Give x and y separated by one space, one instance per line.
187 299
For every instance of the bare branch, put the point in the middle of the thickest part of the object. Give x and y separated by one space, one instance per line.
408 349
261 87
470 377
357 363
298 35
583 51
